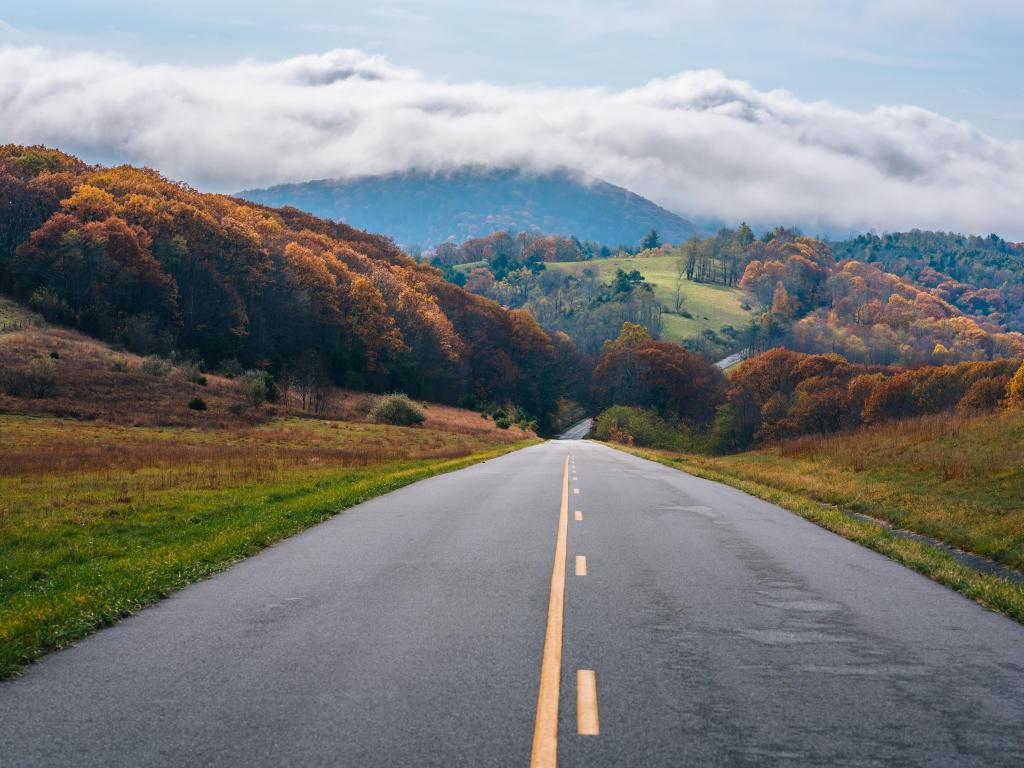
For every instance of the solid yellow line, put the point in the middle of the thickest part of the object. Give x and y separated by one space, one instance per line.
581 565
579 516
587 723
545 727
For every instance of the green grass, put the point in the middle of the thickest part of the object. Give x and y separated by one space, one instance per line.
712 306
98 521
956 479
12 313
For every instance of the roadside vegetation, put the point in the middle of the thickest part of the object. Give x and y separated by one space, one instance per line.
98 520
957 478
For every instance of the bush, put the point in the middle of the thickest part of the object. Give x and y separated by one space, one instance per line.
984 395
396 409
36 380
636 426
39 378
197 404
55 355
119 364
191 371
257 387
1015 389
155 366
502 422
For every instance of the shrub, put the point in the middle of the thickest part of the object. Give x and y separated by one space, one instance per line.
55 355
190 370
257 387
36 380
197 404
1015 390
155 366
502 422
119 364
396 409
636 426
984 395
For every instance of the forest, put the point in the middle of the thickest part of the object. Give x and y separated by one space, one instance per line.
161 269
132 258
812 298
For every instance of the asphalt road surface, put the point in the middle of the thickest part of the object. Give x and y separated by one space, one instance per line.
578 431
434 627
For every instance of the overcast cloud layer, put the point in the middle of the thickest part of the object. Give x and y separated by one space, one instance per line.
697 143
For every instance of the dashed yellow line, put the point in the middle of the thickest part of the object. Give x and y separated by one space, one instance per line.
545 727
587 721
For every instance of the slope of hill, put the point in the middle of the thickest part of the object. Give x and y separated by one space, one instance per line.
426 209
981 276
710 306
130 257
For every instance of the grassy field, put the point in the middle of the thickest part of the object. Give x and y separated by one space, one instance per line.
14 315
957 479
98 520
712 306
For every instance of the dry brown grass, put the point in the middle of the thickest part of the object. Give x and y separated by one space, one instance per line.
56 454
87 388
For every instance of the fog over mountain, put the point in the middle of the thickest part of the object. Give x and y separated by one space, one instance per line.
698 143
421 208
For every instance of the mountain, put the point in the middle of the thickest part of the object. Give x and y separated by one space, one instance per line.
424 209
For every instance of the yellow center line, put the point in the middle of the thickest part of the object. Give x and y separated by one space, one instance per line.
545 727
581 565
587 723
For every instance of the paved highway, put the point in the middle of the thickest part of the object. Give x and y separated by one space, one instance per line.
498 617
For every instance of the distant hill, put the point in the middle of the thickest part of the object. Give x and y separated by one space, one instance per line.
425 209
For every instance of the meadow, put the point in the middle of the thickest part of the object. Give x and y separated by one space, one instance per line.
711 306
98 520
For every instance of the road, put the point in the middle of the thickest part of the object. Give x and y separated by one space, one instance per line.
732 359
710 629
577 431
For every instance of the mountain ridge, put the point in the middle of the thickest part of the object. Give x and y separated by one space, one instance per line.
425 208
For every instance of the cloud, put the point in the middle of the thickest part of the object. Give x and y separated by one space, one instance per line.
698 143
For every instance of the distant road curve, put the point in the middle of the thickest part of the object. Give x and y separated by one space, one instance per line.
737 357
577 431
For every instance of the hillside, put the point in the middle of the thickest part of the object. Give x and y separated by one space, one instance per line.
129 257
979 275
710 306
426 209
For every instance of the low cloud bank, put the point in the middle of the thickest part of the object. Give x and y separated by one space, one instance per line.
697 143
